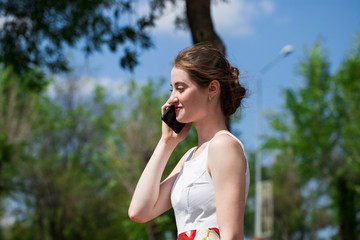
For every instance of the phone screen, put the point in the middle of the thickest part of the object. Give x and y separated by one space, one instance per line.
169 117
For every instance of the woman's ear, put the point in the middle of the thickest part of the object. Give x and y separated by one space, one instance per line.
214 88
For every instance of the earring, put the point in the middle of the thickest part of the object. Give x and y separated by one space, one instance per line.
209 98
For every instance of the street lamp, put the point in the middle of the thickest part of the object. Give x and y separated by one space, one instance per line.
285 51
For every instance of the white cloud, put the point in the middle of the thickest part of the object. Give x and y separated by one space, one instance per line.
166 24
10 18
7 221
236 17
2 21
267 6
86 86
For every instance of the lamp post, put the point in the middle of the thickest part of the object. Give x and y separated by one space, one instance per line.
285 51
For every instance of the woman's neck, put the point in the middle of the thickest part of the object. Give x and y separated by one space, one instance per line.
207 128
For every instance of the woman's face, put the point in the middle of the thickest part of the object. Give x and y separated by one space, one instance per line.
189 99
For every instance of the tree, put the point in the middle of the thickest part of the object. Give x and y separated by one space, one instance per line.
38 32
58 181
320 129
346 192
17 101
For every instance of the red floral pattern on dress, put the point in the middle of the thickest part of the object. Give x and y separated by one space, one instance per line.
202 234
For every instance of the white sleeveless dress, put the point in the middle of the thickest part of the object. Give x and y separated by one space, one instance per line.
193 195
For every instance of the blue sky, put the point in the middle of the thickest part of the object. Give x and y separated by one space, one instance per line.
254 31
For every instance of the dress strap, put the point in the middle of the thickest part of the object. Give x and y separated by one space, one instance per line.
190 154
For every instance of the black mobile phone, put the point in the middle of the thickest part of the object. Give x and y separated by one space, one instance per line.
169 117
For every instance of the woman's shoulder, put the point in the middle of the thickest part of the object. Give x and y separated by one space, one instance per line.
225 140
225 146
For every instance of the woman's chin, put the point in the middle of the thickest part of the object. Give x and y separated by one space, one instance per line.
181 120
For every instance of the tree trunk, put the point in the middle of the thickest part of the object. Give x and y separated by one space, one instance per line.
201 26
200 23
41 226
152 230
346 209
5 156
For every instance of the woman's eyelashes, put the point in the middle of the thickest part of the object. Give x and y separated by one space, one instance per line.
177 88
180 89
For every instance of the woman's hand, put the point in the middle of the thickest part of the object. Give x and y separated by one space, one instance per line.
168 134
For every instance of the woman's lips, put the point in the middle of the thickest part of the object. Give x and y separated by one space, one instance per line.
177 108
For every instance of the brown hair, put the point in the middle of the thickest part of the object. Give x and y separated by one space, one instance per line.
204 63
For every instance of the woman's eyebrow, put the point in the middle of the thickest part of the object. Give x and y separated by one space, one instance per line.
178 83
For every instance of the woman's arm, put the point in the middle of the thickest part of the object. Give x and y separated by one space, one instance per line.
228 174
152 198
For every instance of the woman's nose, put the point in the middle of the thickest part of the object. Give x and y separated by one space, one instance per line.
173 100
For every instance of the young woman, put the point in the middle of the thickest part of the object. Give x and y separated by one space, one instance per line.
208 187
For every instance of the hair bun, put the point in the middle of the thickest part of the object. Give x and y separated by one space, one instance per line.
232 92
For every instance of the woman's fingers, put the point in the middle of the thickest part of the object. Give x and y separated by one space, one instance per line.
165 106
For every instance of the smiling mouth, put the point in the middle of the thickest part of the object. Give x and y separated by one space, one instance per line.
177 109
